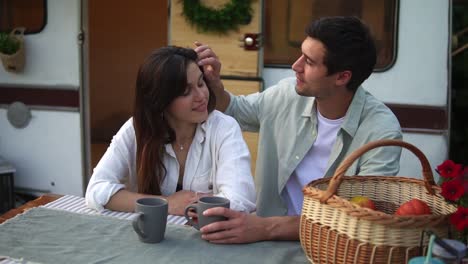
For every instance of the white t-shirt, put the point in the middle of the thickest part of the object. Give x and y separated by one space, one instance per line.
313 165
218 160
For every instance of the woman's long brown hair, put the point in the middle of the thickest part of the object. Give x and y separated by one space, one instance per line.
161 78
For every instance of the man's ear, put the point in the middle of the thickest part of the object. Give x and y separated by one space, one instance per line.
343 78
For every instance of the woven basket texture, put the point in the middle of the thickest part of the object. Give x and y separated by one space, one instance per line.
333 230
15 62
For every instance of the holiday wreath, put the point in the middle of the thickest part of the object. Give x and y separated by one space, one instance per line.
230 16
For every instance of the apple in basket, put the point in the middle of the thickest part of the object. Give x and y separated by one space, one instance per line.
363 201
413 207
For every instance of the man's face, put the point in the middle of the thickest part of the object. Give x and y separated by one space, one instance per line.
311 73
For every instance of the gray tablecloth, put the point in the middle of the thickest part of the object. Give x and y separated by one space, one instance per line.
54 236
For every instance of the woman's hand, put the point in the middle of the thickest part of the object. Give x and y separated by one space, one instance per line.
179 200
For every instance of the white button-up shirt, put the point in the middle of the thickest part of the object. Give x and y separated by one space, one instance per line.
218 161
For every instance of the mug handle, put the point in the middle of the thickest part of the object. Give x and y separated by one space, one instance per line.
189 219
136 226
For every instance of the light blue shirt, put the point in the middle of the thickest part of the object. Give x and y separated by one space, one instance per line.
287 126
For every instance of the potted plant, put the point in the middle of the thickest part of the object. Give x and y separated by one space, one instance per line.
12 50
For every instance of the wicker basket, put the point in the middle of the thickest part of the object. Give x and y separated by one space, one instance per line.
333 230
15 62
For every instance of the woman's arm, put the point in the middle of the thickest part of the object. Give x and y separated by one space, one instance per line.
105 188
233 178
125 200
117 163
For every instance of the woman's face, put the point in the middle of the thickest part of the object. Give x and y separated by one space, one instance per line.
191 107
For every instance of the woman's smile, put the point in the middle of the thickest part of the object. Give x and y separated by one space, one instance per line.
200 108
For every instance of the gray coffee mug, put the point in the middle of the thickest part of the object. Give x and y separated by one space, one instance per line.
203 204
150 225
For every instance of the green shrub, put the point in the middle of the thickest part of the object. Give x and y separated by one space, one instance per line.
8 45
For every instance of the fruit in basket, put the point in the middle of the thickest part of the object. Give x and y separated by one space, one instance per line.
413 207
363 201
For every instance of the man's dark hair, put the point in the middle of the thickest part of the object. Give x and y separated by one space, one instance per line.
349 46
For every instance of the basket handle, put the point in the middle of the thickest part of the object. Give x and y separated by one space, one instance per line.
18 32
337 178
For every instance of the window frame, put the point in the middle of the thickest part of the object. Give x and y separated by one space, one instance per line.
396 13
41 28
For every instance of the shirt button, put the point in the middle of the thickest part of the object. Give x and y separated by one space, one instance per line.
297 157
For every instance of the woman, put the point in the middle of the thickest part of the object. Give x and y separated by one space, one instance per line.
175 146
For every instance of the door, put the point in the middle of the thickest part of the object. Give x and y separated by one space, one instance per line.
241 67
121 35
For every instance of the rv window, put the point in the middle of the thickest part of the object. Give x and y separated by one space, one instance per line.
285 23
30 14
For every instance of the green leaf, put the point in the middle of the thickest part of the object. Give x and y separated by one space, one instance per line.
8 44
233 14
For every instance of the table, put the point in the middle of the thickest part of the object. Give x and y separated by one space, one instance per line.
42 200
46 234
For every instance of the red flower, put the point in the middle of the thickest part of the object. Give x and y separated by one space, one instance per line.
460 218
449 169
452 190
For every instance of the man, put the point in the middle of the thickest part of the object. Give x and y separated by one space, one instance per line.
307 125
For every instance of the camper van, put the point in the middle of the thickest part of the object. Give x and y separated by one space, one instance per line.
60 109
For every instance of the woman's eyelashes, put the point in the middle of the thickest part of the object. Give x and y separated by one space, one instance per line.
187 91
201 83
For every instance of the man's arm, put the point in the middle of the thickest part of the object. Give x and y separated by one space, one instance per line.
222 96
211 65
246 228
383 161
244 108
